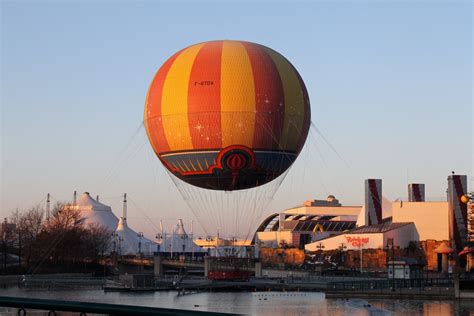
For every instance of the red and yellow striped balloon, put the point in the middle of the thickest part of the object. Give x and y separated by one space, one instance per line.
222 98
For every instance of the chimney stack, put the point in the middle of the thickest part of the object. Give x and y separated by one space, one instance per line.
373 201
457 210
416 192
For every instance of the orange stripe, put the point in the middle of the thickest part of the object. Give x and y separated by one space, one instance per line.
152 117
237 96
269 99
204 97
175 100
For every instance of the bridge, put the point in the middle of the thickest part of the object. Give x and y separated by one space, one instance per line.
160 265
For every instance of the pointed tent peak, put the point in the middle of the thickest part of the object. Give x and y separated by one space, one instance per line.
86 201
180 228
443 248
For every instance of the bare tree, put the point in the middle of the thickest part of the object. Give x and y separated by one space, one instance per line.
28 225
62 242
97 240
64 217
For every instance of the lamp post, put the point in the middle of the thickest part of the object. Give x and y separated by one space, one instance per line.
320 246
341 248
390 243
114 236
120 239
140 235
159 241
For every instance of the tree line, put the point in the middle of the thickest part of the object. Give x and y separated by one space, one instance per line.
61 242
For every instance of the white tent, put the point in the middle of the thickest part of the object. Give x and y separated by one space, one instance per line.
178 242
95 212
128 242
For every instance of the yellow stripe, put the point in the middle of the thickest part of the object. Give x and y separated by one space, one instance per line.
192 165
294 102
174 102
237 96
200 166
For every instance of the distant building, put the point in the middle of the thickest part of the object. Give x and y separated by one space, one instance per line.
320 225
314 220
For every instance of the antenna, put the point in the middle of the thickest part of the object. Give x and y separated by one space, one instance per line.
48 205
74 199
124 215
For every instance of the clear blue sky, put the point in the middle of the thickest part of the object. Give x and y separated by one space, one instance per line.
390 85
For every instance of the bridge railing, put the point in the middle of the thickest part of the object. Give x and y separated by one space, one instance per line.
23 304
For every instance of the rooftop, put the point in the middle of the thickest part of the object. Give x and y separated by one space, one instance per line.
378 228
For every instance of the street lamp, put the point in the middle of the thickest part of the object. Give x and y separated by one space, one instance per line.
158 241
390 242
341 248
114 236
140 235
120 239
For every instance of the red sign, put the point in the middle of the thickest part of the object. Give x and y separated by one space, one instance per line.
357 241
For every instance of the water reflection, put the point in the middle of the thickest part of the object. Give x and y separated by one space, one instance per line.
260 303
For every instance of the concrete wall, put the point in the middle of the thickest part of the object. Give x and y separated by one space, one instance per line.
430 218
402 236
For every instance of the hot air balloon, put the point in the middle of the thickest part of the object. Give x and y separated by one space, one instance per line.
227 115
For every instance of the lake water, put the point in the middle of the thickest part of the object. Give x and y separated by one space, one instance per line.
258 303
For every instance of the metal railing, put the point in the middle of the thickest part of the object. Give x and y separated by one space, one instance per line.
435 285
53 306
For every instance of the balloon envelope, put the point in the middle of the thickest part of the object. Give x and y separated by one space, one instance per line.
227 115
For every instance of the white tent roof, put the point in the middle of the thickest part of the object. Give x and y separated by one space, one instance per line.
129 240
178 241
95 212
